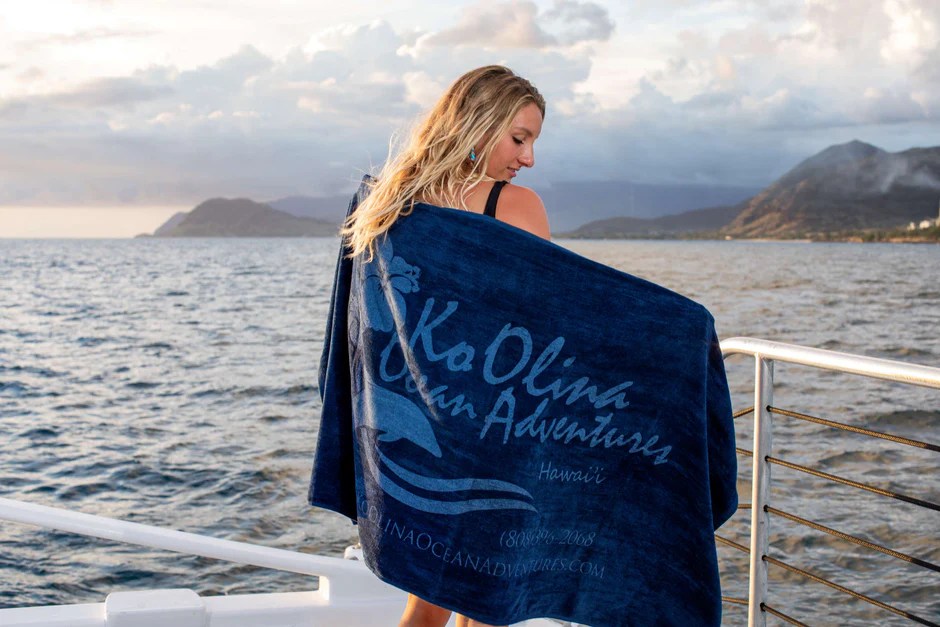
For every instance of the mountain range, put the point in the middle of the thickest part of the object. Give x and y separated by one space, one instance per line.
844 188
241 217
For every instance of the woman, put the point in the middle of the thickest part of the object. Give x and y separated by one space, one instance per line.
564 429
476 138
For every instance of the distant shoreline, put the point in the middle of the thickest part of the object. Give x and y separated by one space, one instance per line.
863 236
856 240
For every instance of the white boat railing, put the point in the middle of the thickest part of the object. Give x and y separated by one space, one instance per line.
765 354
348 593
337 576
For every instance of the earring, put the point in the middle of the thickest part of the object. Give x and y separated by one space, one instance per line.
473 155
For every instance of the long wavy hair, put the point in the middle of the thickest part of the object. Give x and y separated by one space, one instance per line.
433 165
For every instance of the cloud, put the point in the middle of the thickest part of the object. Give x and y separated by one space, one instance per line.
518 24
421 88
824 57
574 22
120 92
109 92
753 40
30 74
248 123
506 25
887 106
845 26
914 30
726 96
84 36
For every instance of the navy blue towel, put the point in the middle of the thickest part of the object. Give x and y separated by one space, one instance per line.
520 431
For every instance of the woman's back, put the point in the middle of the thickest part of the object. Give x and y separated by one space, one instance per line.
519 206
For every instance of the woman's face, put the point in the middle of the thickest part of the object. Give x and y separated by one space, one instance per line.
515 149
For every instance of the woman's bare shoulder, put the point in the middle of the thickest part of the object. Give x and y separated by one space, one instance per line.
522 208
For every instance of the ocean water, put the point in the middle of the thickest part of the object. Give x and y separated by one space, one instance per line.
173 382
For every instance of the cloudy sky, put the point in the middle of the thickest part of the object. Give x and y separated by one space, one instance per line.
121 111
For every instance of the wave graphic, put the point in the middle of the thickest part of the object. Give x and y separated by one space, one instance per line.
451 485
435 506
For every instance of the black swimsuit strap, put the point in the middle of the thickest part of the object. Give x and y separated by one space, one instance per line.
493 198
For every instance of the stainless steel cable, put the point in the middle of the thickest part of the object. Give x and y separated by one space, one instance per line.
851 538
732 543
853 593
855 484
781 615
860 430
826 582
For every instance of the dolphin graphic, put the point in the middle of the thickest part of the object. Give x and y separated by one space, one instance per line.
398 418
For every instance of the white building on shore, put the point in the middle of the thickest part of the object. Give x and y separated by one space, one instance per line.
926 223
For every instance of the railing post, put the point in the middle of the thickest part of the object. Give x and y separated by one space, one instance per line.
760 489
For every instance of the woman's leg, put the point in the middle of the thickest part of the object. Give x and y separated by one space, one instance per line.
420 613
463 621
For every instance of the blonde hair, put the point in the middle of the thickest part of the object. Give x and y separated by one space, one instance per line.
434 164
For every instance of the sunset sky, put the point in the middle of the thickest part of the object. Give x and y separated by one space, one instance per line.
115 113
